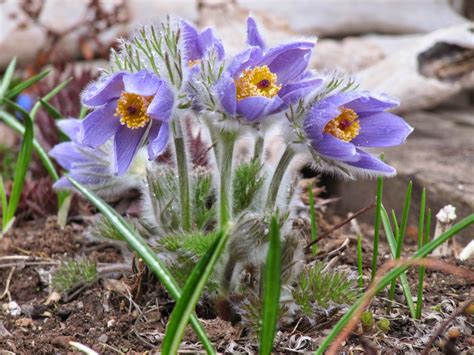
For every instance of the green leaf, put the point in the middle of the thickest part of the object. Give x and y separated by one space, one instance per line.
26 84
378 208
3 197
271 289
139 245
190 296
48 97
392 275
7 77
23 161
13 123
393 248
50 109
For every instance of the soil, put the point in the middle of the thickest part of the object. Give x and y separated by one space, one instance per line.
126 311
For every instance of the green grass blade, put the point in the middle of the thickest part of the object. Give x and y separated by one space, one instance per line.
359 263
50 109
13 123
271 289
421 270
190 296
139 245
404 223
26 84
7 78
391 275
83 113
48 97
3 198
23 161
378 210
312 217
403 277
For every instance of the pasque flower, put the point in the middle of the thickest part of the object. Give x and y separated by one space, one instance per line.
89 166
340 125
134 108
197 44
259 82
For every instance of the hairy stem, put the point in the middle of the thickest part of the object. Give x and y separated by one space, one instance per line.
277 178
226 142
258 150
183 176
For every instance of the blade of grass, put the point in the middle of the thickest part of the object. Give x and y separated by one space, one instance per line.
192 291
421 270
48 97
391 275
359 263
23 161
26 84
83 113
7 77
312 217
50 109
378 208
139 245
271 289
3 197
400 238
393 246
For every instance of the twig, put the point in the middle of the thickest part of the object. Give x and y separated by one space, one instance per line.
445 323
6 292
337 226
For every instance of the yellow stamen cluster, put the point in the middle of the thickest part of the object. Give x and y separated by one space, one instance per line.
258 81
192 63
131 108
345 126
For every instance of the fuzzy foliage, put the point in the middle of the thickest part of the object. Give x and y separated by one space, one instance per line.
72 272
316 287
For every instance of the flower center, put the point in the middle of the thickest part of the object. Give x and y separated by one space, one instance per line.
131 108
345 126
192 63
258 81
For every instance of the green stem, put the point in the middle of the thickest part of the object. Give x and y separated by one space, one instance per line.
277 178
378 216
226 150
257 153
183 176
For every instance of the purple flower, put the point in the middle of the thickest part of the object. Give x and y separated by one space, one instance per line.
87 165
259 82
133 108
340 124
197 45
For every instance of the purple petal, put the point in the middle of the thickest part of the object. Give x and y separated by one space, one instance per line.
248 58
127 142
190 35
256 107
100 125
66 155
63 182
159 136
143 83
226 91
71 128
371 103
253 35
207 40
382 129
288 61
293 92
102 91
161 107
366 161
318 117
334 148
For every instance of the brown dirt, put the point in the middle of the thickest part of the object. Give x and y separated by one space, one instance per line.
128 313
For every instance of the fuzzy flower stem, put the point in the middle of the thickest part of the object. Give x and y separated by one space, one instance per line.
226 142
259 142
183 176
277 178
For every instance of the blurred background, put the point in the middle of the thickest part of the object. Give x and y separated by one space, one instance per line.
420 51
